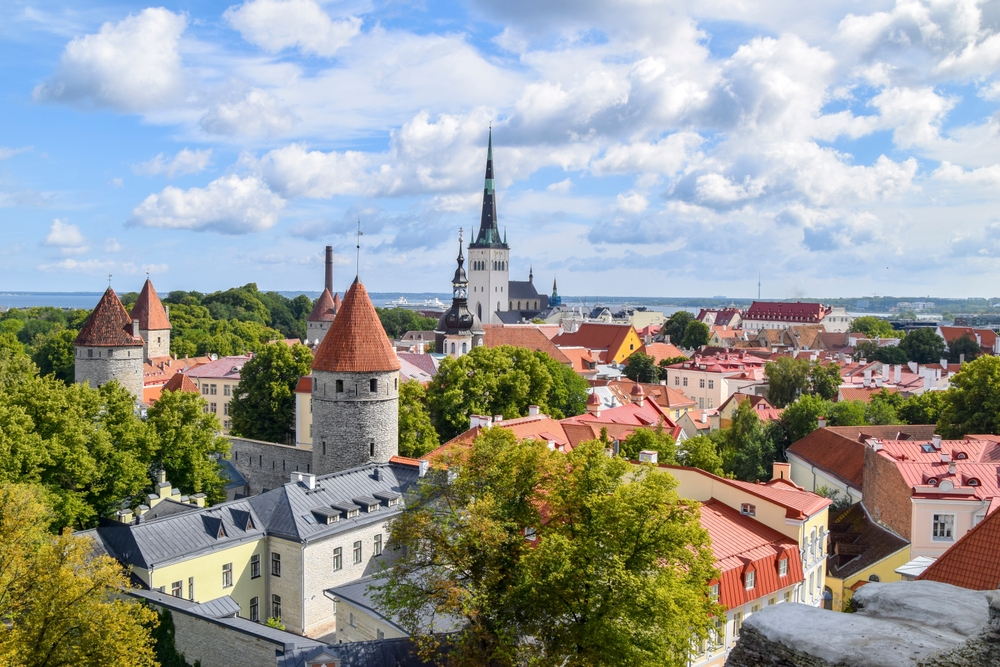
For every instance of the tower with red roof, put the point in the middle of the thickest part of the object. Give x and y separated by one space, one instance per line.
109 347
154 325
325 309
355 389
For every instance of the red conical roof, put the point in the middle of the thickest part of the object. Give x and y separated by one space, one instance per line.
149 311
325 308
109 325
356 341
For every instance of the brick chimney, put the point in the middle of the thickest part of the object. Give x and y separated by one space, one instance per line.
328 281
781 470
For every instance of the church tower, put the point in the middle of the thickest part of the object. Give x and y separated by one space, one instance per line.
355 389
109 347
154 326
458 330
488 257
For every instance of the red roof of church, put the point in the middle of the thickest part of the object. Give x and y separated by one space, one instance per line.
356 341
109 325
181 382
325 308
148 309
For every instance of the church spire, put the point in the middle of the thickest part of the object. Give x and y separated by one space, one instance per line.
489 233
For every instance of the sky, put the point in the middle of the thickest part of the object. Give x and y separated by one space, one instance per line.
641 147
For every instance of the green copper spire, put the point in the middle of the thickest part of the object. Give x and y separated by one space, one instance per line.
489 233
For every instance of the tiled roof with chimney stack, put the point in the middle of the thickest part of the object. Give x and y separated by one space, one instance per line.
149 310
356 341
109 325
325 308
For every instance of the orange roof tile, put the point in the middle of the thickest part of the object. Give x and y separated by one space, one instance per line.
581 359
181 382
662 351
594 336
863 393
149 310
356 341
325 308
522 335
304 385
108 325
971 562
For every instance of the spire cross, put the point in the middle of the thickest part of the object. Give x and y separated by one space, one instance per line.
360 234
109 281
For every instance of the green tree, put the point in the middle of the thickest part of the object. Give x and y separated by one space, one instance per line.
873 327
502 380
825 380
416 433
53 352
923 346
664 363
965 348
922 408
676 326
700 452
640 367
848 413
696 334
748 447
652 439
263 403
787 377
802 417
61 603
616 575
189 444
881 409
568 393
397 321
972 405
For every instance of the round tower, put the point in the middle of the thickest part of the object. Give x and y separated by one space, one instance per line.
355 389
458 330
109 347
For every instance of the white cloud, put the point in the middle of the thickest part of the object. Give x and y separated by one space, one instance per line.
295 171
666 156
562 187
914 115
229 205
112 245
133 65
186 161
983 176
7 153
66 237
717 189
275 25
256 113
631 203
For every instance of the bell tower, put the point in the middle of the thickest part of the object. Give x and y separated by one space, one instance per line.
488 257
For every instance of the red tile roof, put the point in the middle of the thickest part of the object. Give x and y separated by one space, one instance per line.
863 394
742 544
798 502
987 337
356 341
108 325
522 335
583 363
606 337
786 312
181 382
765 411
665 397
424 362
972 562
149 310
662 351
325 308
928 476
304 385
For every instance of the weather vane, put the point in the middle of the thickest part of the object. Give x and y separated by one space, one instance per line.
109 281
360 234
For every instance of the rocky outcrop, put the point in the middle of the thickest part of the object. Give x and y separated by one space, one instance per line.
902 624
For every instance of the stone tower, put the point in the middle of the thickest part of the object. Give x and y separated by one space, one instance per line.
458 330
488 256
154 326
355 389
325 309
109 347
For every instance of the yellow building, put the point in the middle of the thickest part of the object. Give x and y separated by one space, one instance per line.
861 551
217 382
609 343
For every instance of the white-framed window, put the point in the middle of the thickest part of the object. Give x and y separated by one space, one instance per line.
713 592
378 545
943 527
338 559
788 596
750 580
701 403
701 383
685 382
177 589
357 552
255 566
204 389
227 575
783 567
677 379
530 534
214 388
737 624
226 390
711 384
748 509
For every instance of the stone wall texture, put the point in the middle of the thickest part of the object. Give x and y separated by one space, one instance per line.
354 426
268 465
156 342
886 494
317 330
215 645
110 363
902 624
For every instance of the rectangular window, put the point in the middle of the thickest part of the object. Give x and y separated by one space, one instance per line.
944 526
255 610
709 404
177 589
701 403
378 545
748 509
340 386
685 382
373 385
275 564
812 583
357 552
204 389
227 424
212 408
677 380
751 579
191 588
226 390
255 566
701 384
214 387
338 559
788 596
772 601
227 575
737 624
754 609
276 606
711 384
716 635
713 592
350 620
783 567
225 408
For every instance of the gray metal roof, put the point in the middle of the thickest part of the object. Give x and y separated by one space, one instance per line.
224 607
358 593
399 652
522 289
286 512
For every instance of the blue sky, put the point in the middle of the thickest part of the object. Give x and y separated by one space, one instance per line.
644 148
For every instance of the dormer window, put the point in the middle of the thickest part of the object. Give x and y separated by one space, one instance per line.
961 456
783 567
750 580
932 481
748 509
973 481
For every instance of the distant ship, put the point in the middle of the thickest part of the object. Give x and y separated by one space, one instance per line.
431 304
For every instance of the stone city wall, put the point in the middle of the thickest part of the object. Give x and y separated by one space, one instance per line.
267 465
124 364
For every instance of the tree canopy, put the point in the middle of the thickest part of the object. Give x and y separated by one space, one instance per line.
874 327
964 348
651 439
748 447
825 380
676 326
397 321
502 380
617 572
641 367
972 405
263 403
924 346
696 334
787 377
700 452
416 432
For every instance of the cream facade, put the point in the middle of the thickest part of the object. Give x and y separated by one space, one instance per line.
812 478
837 320
938 524
709 389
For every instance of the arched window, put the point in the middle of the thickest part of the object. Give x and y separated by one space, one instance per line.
874 579
464 348
453 348
479 310
498 305
519 305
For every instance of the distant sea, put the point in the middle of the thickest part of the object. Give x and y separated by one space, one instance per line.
417 300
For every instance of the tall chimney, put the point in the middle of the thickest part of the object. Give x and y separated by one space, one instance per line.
328 283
